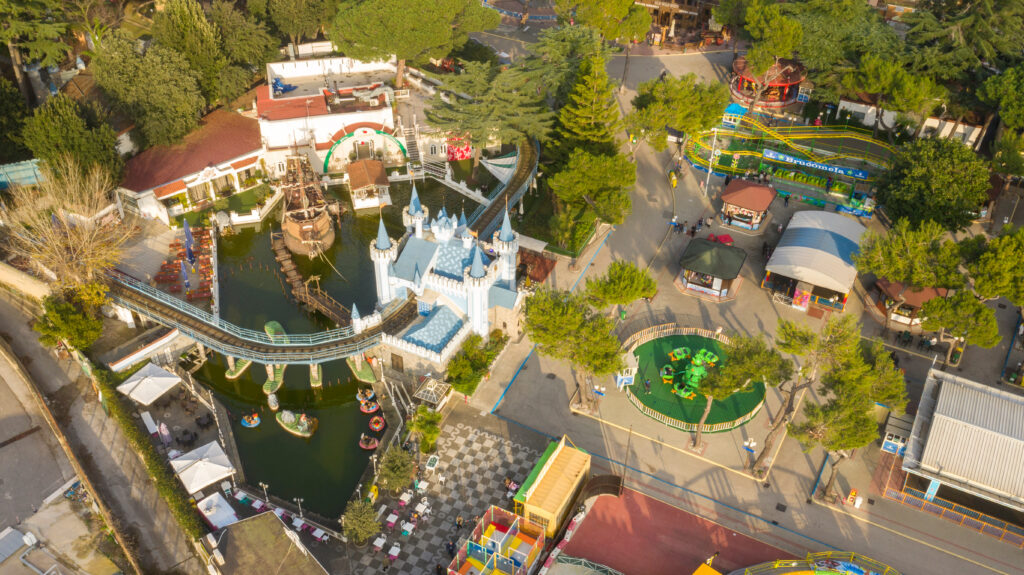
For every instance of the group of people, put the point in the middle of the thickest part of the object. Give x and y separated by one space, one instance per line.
688 229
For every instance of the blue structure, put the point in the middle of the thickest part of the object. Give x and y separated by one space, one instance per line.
460 289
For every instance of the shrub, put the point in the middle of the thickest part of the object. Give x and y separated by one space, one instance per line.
167 485
427 424
360 521
396 470
470 364
63 320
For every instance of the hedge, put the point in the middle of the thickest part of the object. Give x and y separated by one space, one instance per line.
467 367
167 484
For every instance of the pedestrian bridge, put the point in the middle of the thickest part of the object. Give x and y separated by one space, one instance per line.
242 343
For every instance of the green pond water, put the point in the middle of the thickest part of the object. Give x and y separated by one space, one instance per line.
324 469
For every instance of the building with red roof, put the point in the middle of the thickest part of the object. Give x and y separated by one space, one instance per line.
745 203
334 110
218 159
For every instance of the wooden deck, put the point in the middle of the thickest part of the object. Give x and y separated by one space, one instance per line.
314 298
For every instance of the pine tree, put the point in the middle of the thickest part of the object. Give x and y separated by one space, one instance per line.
590 119
296 18
61 127
13 112
182 26
408 30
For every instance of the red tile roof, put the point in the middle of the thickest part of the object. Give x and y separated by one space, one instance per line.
366 173
915 297
175 187
748 195
243 163
221 136
288 108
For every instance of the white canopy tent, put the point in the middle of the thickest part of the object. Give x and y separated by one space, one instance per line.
148 384
217 511
818 248
203 466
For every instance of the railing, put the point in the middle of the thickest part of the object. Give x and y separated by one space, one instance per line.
966 517
809 564
294 340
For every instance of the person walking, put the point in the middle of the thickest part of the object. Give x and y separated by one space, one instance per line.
647 385
785 201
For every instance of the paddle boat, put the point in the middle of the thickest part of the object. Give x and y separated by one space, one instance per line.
368 442
302 425
376 423
368 406
365 395
251 420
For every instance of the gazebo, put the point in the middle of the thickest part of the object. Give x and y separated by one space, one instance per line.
914 298
433 392
782 80
745 203
710 269
368 184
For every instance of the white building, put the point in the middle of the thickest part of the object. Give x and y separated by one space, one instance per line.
966 132
332 109
462 285
218 159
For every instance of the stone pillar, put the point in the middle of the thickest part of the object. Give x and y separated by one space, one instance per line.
202 350
270 370
237 181
357 360
231 362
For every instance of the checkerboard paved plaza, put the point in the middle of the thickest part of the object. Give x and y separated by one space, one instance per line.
474 464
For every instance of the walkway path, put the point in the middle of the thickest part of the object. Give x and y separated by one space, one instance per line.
104 452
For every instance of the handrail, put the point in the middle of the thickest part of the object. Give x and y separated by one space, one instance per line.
294 340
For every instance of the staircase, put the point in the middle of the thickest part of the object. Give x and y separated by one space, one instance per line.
410 145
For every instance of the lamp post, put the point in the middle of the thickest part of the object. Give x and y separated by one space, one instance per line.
373 459
264 486
299 501
711 160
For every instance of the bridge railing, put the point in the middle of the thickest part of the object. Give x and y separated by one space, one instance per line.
251 335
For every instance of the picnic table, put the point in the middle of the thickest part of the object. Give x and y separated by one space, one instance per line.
408 527
392 518
394 551
405 498
297 523
380 542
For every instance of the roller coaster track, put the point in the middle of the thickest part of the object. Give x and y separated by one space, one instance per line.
257 346
799 139
526 168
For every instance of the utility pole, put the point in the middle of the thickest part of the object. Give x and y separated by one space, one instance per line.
711 161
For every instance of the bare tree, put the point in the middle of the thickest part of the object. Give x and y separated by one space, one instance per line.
67 224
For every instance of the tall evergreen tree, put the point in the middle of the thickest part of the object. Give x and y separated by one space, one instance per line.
601 181
164 115
243 40
622 284
13 112
61 127
417 30
590 119
684 103
775 35
485 105
297 18
182 26
35 29
557 57
1004 91
961 318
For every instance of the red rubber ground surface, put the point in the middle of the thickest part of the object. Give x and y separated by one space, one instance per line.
638 535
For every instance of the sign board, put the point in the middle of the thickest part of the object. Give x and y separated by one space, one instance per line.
786 158
933 488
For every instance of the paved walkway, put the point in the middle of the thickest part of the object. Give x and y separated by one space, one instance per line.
104 452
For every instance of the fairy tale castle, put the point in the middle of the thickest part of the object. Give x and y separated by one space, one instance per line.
462 285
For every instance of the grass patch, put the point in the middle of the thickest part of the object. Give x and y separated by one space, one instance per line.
194 219
244 202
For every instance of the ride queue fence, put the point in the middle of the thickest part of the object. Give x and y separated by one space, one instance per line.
955 513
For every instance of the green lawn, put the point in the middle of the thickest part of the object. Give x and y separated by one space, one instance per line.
652 355
244 202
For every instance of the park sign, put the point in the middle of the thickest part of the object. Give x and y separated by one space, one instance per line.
852 172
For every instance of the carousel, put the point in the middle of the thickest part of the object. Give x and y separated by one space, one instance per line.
783 81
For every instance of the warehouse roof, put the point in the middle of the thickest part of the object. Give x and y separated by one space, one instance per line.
970 436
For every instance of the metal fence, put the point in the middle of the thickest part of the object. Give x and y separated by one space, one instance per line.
959 514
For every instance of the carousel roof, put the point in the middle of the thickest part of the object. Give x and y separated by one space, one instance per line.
748 195
785 72
432 391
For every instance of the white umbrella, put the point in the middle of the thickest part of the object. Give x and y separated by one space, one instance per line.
202 466
148 384
217 511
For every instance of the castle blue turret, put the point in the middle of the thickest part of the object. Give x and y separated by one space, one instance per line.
414 214
506 245
383 252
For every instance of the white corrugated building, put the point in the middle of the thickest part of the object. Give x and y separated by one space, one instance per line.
970 437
